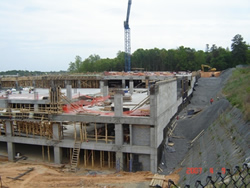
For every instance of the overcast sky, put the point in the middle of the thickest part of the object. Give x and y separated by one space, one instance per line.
46 35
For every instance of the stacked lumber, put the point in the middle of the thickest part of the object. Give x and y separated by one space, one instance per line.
157 180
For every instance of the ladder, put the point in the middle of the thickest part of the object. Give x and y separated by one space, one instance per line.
75 156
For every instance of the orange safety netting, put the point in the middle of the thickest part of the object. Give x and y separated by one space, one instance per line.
138 73
143 111
84 106
78 105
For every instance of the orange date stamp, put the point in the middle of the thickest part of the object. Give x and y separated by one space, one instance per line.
198 170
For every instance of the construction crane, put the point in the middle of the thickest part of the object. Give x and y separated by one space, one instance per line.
127 40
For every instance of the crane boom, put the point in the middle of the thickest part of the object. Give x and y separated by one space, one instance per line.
126 23
127 39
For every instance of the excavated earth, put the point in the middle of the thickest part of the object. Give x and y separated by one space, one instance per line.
224 139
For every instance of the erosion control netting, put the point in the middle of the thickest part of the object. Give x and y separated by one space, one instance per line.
188 127
224 135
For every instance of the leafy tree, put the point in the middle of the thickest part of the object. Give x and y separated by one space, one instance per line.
119 61
182 58
239 50
75 66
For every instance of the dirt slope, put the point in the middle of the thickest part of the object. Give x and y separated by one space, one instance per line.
225 142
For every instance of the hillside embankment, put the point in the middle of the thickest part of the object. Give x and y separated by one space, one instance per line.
224 135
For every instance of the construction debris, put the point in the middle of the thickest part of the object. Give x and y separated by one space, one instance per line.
157 180
21 175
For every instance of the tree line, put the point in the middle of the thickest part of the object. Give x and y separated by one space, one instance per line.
180 59
29 73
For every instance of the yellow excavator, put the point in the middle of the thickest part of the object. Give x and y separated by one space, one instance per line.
210 69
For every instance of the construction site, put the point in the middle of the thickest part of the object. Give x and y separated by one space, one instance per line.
134 122
119 127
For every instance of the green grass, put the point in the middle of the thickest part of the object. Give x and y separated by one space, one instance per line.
237 90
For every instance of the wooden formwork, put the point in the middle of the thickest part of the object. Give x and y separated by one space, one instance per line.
50 80
43 129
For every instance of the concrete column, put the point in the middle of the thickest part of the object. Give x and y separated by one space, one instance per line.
17 85
118 104
57 155
36 109
119 143
9 131
11 151
34 83
118 134
105 89
56 132
69 91
131 86
10 145
153 152
153 130
57 150
101 85
52 83
130 135
153 103
123 83
153 160
79 84
119 161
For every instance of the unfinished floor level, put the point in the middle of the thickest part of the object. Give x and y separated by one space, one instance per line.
121 128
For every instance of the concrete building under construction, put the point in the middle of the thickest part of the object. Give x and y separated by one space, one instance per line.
114 120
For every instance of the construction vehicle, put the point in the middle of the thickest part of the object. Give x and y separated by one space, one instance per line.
210 69
127 40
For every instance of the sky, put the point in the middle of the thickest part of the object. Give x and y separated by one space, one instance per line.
46 35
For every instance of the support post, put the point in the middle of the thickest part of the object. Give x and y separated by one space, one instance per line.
109 159
85 158
92 157
56 131
48 153
105 89
57 155
131 86
123 83
96 136
118 104
130 135
69 91
153 152
10 145
101 85
106 133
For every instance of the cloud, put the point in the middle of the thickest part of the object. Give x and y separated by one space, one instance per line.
47 35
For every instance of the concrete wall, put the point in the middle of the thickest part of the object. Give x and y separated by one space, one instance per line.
167 106
145 160
141 135
165 103
3 103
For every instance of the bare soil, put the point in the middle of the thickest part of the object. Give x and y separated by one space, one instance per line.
45 175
